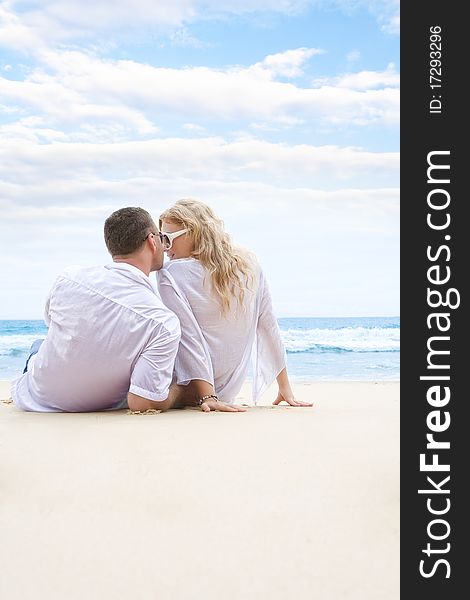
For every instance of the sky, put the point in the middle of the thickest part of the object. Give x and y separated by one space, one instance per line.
283 115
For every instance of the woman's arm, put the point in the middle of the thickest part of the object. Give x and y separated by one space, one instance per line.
268 331
180 396
199 389
285 391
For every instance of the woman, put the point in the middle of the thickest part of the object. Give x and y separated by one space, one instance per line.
220 295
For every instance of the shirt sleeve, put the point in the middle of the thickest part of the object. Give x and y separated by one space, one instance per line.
269 355
47 317
193 359
47 306
153 371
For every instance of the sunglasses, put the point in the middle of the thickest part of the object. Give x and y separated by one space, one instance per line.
167 238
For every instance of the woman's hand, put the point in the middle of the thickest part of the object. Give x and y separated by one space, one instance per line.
285 393
212 404
290 399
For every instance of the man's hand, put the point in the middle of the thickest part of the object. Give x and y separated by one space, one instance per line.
212 404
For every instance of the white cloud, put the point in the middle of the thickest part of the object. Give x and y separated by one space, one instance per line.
284 64
182 37
61 20
387 12
28 24
353 56
392 25
42 166
367 80
67 20
290 7
73 87
363 80
194 127
62 182
16 34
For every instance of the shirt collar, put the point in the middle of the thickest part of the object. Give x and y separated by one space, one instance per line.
132 273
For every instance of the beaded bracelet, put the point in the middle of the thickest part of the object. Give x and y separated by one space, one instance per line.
204 398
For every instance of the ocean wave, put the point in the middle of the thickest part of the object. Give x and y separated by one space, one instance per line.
17 345
346 339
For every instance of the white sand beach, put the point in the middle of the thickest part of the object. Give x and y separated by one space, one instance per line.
275 503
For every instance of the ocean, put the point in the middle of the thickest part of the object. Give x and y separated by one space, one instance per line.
318 349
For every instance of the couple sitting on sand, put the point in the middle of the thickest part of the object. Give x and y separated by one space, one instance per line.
114 341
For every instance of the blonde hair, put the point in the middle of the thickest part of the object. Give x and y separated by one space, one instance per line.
231 268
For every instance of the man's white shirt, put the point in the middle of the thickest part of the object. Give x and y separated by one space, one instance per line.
109 333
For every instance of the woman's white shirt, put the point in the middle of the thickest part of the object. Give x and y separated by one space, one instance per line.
218 347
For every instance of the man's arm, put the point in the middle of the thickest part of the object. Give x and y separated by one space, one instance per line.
142 404
150 385
179 396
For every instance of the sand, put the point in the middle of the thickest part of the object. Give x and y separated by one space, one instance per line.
275 503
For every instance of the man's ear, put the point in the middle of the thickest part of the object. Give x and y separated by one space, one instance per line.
152 242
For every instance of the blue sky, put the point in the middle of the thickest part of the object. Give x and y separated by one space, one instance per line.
282 114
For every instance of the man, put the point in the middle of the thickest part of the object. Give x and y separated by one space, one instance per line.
111 341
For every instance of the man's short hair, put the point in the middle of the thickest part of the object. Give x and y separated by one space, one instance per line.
125 230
